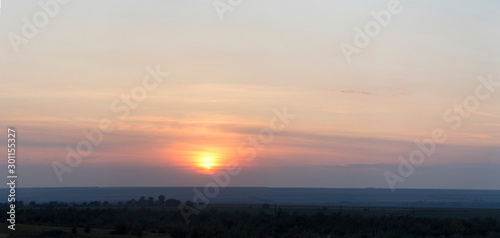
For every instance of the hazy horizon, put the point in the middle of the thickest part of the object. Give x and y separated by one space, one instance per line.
201 186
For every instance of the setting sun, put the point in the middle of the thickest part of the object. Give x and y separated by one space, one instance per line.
207 163
205 159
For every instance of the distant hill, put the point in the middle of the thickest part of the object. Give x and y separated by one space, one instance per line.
281 196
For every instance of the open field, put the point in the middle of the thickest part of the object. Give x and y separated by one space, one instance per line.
230 220
23 230
459 213
34 231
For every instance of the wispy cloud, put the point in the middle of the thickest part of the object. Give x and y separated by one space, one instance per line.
394 93
357 92
487 114
492 124
399 93
361 166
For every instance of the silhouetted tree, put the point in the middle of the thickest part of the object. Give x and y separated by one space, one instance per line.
151 201
142 201
172 202
161 200
131 203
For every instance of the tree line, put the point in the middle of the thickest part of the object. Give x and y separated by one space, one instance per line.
161 201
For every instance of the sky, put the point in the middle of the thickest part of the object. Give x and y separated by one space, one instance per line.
231 73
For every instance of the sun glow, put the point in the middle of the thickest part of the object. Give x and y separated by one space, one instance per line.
207 163
203 159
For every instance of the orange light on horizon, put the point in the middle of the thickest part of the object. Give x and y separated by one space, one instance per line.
207 162
198 157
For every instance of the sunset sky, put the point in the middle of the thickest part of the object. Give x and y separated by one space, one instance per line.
229 77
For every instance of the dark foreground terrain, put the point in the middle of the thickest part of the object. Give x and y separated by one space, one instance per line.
150 217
